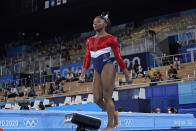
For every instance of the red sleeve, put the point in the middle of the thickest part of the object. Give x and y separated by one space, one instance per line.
87 58
117 54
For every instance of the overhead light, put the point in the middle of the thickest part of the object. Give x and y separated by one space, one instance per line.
83 122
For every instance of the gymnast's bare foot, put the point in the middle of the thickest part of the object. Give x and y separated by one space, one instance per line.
108 128
115 119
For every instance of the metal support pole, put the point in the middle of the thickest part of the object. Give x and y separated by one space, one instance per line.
60 60
154 41
50 61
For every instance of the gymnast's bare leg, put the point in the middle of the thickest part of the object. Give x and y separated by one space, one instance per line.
103 86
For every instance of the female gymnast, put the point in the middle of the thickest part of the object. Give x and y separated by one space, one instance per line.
98 50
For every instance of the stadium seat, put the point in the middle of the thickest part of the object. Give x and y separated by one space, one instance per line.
78 100
66 102
117 84
115 95
123 79
36 103
16 107
135 97
90 98
46 102
8 106
142 94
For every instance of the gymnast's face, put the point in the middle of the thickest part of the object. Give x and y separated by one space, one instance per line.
99 24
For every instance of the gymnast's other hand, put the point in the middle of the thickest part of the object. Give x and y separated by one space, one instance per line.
127 77
82 78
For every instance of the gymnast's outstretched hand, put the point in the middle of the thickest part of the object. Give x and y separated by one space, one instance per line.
127 77
82 78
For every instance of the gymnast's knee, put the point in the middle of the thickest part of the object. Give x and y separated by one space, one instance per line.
107 98
98 100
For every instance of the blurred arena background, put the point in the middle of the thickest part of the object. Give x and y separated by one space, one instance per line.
42 47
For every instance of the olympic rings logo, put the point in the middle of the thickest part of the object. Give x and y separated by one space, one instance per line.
30 122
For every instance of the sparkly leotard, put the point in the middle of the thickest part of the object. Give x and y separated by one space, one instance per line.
98 50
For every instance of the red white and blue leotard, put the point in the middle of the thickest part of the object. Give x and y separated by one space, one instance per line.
98 50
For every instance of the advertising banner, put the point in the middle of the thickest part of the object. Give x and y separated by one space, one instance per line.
191 50
130 60
55 70
187 92
7 78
